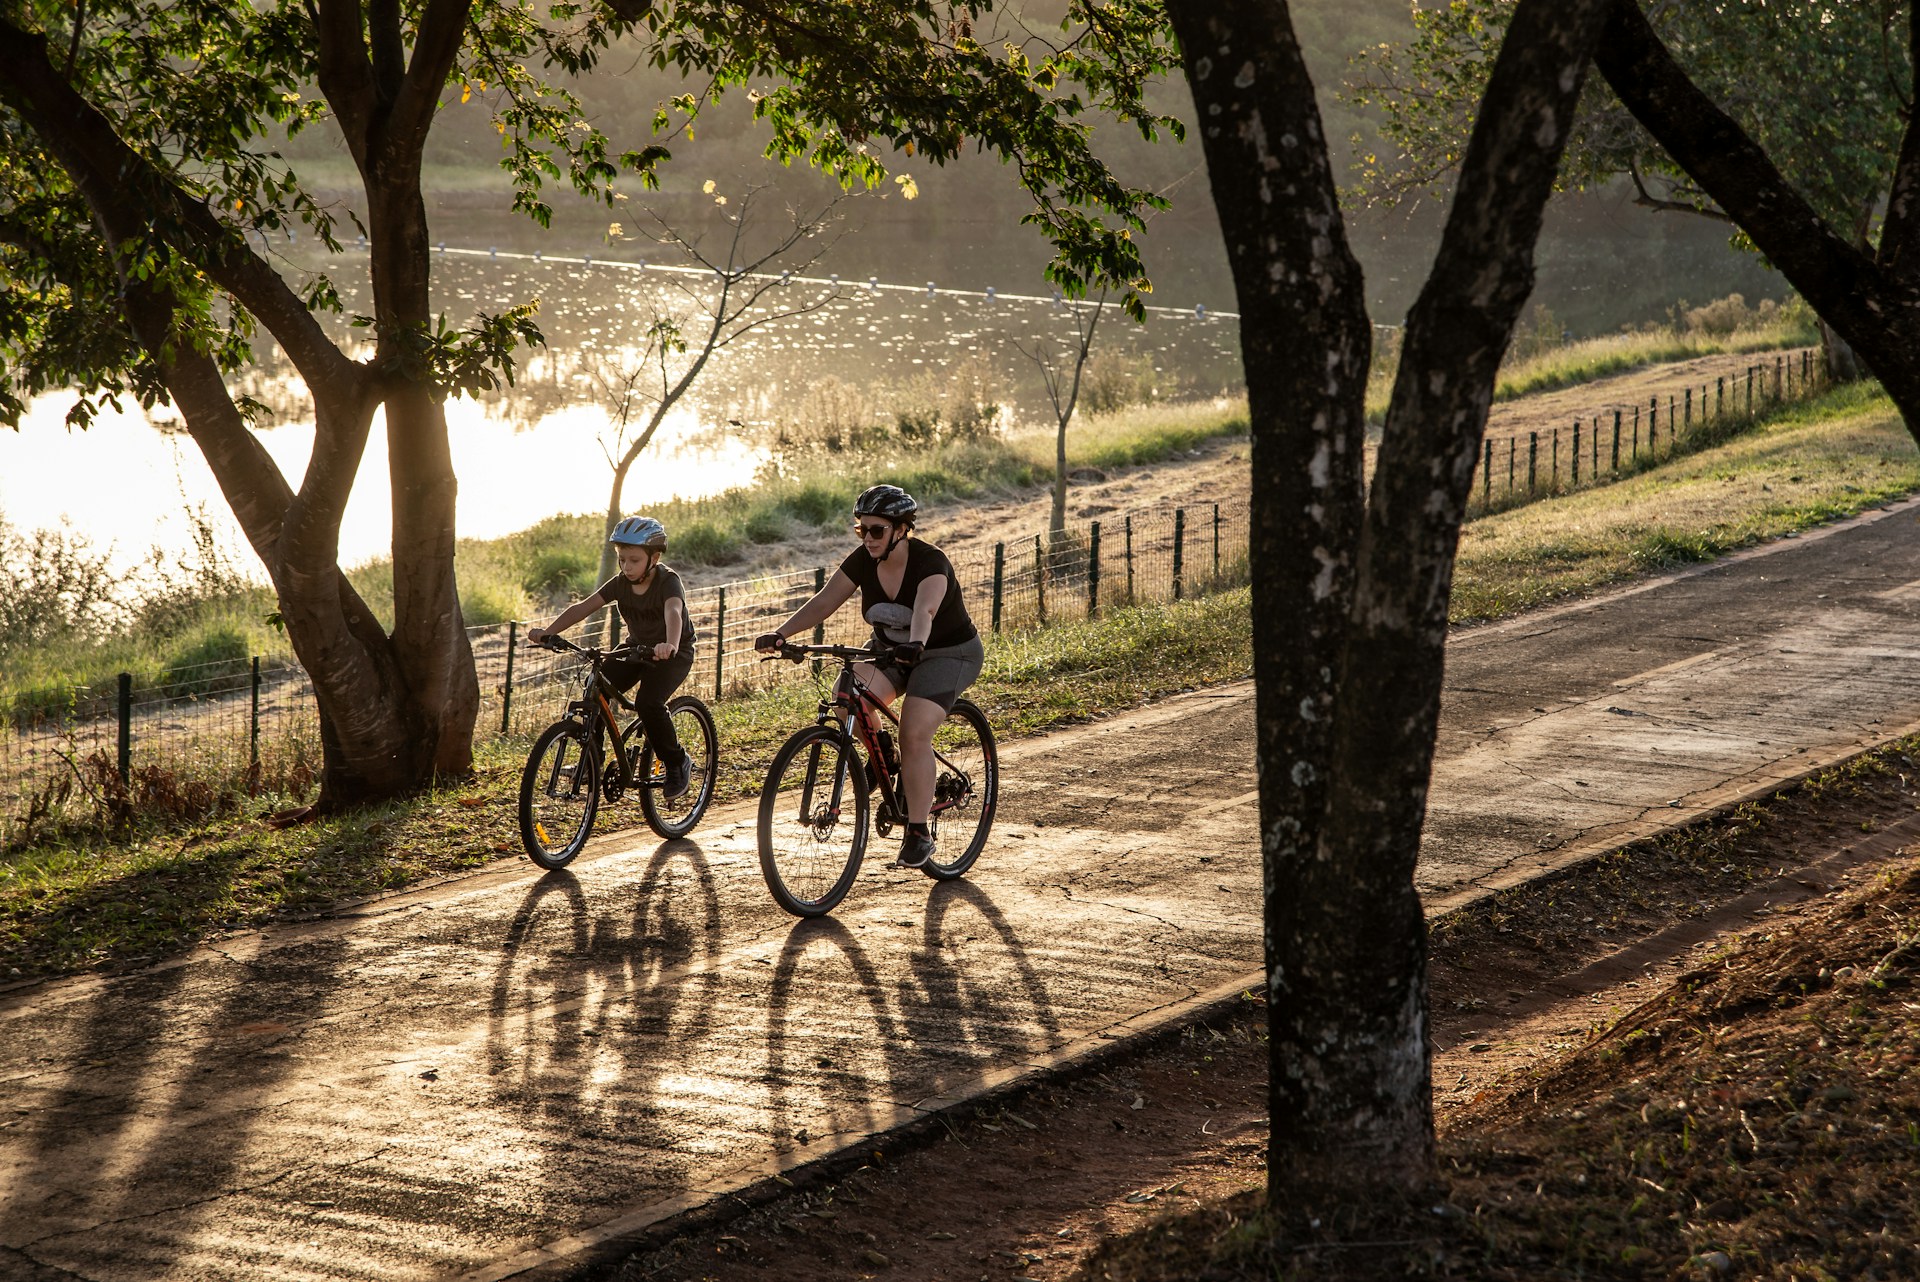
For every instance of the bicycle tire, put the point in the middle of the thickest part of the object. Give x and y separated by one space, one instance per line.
559 795
810 849
701 740
968 782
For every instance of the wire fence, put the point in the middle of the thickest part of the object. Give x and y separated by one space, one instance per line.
1601 446
251 725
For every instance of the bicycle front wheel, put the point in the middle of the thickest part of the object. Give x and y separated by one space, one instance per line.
813 821
676 816
559 795
966 790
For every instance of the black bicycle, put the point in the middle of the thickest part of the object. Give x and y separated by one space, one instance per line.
819 794
570 770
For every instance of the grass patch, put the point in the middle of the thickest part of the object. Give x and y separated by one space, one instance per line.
1827 458
68 905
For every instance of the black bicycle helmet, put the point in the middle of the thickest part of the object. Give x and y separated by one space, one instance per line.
888 501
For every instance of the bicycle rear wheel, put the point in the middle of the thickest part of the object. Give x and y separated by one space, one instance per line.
966 790
676 816
559 795
813 821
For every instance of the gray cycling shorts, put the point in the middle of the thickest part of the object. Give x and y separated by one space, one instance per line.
940 675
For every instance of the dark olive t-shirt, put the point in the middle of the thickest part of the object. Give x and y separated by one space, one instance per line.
645 613
951 623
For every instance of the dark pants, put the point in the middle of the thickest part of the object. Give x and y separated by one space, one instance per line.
658 679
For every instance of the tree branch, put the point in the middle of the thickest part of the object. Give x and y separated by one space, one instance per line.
132 200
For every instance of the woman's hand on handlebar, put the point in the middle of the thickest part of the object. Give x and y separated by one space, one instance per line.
770 643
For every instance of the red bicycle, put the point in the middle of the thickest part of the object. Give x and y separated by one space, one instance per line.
819 795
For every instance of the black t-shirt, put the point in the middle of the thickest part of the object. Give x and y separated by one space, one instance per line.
645 613
951 623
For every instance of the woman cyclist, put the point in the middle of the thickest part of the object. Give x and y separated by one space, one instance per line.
653 604
928 648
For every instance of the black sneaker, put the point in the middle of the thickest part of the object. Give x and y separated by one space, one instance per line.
915 849
679 776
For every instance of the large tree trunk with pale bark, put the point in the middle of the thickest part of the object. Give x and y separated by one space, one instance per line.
1350 585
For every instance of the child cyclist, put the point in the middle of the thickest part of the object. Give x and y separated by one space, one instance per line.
653 605
926 647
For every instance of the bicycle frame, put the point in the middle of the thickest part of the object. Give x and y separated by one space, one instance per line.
596 708
848 710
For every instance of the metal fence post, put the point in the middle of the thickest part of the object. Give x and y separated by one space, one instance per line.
999 581
1553 476
1533 459
720 645
1720 396
1688 420
1216 541
820 628
506 684
1576 452
1093 570
1129 558
253 717
1040 577
1513 444
1179 547
1616 440
1486 478
126 727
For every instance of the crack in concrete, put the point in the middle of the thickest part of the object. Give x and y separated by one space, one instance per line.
39 1263
1102 903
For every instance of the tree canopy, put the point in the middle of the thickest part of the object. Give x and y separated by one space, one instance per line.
1821 86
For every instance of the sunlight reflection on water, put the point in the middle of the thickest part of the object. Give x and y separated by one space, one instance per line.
524 454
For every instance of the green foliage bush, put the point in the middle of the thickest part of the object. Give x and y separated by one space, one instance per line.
208 658
562 571
491 602
704 542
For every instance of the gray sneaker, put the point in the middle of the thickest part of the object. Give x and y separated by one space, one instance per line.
915 849
679 777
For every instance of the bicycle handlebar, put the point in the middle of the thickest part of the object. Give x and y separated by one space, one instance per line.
794 652
560 645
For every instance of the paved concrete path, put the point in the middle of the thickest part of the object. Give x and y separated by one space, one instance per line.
509 1072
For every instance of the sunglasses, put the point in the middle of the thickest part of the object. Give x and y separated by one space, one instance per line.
872 531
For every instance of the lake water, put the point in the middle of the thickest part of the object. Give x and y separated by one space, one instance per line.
877 337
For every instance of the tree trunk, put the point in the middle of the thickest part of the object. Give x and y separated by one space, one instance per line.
393 712
1350 590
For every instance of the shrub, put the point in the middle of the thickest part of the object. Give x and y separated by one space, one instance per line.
487 603
56 586
1114 380
210 658
562 571
818 503
764 525
704 543
1729 315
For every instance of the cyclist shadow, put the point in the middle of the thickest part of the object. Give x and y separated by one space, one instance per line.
983 1005
833 1043
584 999
846 1039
